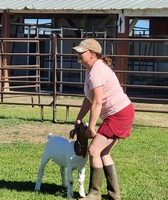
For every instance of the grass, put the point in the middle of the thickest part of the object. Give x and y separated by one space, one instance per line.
141 160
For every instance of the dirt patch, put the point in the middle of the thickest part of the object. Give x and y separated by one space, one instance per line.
33 133
37 133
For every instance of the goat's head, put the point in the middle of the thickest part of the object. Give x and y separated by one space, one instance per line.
82 140
79 130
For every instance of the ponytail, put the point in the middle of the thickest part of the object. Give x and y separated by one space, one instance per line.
106 60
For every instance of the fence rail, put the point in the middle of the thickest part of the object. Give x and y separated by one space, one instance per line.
29 77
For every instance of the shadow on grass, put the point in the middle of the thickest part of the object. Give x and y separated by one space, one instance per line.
36 120
46 188
25 119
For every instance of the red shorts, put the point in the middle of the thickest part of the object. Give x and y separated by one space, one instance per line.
118 125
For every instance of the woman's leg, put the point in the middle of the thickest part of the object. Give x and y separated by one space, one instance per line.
96 166
110 172
105 154
99 149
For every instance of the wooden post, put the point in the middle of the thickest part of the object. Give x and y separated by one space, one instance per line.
0 75
122 48
6 34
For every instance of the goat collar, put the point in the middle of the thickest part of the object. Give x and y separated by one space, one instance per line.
80 150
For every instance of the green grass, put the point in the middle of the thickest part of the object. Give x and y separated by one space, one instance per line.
22 115
141 160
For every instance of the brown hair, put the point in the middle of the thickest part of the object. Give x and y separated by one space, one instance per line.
106 60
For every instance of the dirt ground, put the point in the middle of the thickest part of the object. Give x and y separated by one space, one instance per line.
33 133
37 133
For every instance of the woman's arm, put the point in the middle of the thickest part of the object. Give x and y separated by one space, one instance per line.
95 111
84 110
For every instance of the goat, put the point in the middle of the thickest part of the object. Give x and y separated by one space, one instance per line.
67 154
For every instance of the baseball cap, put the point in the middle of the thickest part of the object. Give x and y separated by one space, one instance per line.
88 44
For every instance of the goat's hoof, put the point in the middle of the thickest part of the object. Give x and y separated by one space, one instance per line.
82 195
37 191
69 196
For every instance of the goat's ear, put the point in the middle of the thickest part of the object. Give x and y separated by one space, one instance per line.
72 134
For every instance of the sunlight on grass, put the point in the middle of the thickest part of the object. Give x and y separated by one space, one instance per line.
141 160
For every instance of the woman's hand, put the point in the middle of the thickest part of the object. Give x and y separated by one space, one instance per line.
78 121
90 132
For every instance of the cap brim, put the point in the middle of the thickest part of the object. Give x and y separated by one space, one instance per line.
80 49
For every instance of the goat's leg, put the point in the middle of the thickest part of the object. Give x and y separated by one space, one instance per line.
44 161
81 179
70 182
63 176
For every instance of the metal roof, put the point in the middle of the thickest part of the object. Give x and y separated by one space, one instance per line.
77 6
82 5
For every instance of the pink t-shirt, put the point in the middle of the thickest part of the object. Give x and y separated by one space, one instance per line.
114 98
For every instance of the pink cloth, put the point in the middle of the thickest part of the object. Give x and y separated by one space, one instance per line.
114 98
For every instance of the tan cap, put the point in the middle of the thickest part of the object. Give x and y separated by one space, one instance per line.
88 44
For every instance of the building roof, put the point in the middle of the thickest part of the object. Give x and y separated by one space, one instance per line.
129 7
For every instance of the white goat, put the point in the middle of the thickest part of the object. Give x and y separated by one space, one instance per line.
71 155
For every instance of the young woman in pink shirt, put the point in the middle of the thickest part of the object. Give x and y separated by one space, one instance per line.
104 98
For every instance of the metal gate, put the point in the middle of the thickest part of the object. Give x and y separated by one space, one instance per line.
23 72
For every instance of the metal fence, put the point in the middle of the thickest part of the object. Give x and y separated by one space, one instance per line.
36 71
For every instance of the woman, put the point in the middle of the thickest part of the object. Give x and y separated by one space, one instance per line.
104 98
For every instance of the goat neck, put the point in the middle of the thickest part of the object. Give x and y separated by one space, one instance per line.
80 149
81 143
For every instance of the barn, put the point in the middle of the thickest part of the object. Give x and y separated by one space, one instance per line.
133 33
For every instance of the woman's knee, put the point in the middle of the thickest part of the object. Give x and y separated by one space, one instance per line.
93 151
